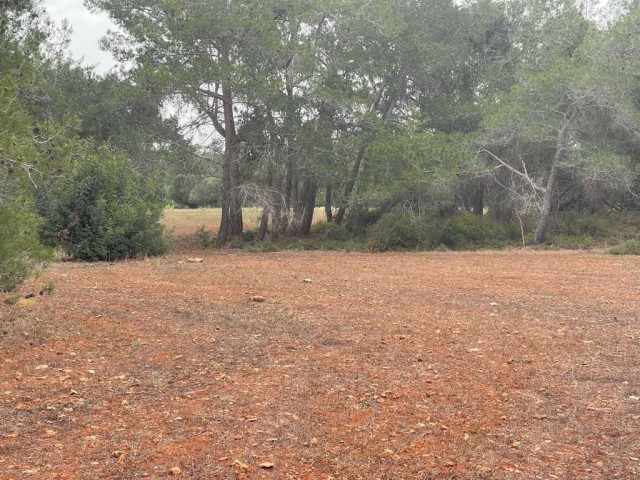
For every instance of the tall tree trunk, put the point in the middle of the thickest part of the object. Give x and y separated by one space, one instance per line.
549 192
547 203
389 105
478 199
308 203
351 183
231 221
328 212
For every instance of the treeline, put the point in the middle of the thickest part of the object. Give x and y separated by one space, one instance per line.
411 121
509 108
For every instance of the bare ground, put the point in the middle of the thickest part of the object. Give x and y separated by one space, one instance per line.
491 365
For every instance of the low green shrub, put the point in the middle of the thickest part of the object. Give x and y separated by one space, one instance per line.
402 231
107 211
468 232
322 227
630 247
204 237
20 250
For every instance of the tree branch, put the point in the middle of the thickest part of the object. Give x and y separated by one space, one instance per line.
504 164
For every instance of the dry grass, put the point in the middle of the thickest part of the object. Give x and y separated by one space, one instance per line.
502 365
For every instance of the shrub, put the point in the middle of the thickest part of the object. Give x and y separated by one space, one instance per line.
205 193
204 237
107 211
322 227
181 189
402 231
631 247
361 218
20 251
469 231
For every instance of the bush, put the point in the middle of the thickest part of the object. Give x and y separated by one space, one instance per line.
206 193
322 227
631 247
181 189
574 224
402 231
468 231
106 211
20 250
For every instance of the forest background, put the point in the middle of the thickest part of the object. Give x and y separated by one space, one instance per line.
413 125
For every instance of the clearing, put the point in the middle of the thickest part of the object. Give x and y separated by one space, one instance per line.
317 365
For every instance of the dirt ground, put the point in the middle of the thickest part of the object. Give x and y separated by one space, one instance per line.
317 365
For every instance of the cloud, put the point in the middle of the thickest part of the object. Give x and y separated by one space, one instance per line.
88 29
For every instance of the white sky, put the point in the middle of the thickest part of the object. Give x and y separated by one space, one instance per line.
88 29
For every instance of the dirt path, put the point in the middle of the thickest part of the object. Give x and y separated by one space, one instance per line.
504 365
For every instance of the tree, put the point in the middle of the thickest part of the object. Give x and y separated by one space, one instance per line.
211 55
560 122
23 143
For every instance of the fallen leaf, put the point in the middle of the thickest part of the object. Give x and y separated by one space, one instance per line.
240 465
195 260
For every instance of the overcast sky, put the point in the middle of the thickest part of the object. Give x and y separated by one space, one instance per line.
88 29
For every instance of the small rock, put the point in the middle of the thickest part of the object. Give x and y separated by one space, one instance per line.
42 367
494 304
307 280
195 260
175 471
266 465
256 298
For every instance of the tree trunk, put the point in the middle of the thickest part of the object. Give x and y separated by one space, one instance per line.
351 183
549 192
308 204
389 105
478 200
547 203
264 224
328 212
231 221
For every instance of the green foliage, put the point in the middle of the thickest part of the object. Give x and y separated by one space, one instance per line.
204 237
573 224
468 232
323 227
20 251
205 193
630 247
49 288
181 189
402 231
106 211
574 230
